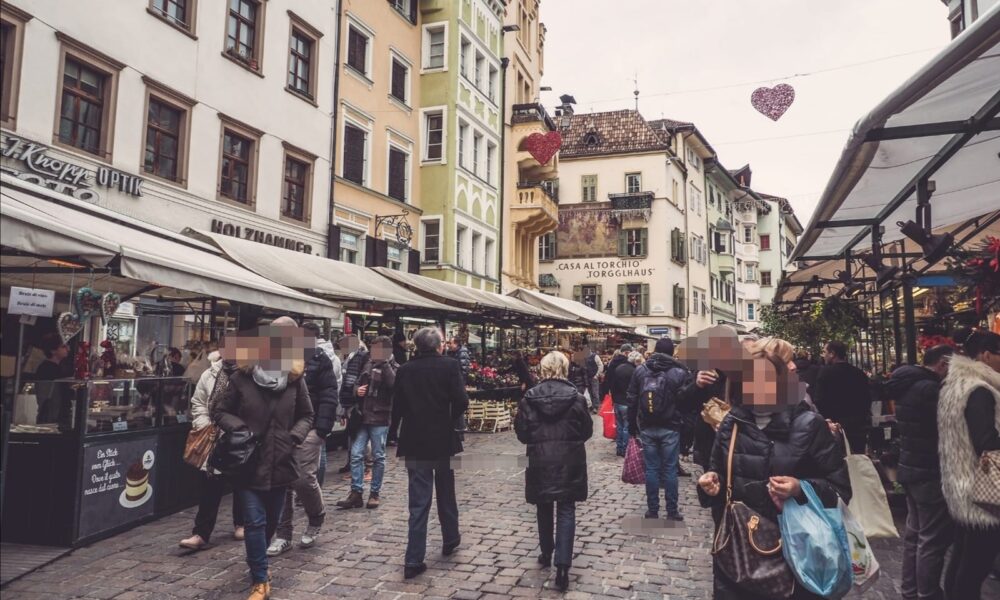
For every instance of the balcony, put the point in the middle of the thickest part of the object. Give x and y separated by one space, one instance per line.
535 210
726 262
531 121
531 113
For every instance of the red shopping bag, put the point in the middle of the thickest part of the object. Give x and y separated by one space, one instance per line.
608 414
634 469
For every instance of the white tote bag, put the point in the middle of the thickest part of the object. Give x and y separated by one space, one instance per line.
869 504
863 564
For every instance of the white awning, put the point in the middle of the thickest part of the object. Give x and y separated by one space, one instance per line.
942 124
43 223
569 307
334 279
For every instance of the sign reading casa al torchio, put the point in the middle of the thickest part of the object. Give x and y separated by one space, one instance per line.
32 163
607 268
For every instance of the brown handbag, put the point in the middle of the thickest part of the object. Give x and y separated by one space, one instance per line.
199 445
715 410
985 491
747 545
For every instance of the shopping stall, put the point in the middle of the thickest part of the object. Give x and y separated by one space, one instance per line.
98 449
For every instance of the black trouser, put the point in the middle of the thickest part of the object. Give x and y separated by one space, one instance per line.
565 530
425 478
213 488
972 557
928 533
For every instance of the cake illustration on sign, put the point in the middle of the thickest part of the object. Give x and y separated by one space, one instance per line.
136 482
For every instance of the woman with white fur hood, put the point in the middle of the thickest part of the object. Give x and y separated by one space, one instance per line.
969 425
209 389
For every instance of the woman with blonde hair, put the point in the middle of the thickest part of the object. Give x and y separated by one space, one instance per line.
555 424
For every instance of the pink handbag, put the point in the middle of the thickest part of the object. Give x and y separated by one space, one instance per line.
634 469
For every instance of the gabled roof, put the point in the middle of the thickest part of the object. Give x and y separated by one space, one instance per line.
613 132
671 124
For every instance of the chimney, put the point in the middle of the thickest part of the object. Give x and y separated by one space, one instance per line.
565 110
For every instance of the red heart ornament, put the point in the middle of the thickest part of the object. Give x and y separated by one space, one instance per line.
773 102
542 146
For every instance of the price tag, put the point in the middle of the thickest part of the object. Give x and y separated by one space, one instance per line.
887 432
120 426
182 418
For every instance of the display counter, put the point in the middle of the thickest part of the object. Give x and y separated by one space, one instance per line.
90 458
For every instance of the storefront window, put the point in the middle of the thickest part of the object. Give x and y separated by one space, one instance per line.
122 333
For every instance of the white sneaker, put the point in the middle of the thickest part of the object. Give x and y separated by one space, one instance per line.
279 546
310 536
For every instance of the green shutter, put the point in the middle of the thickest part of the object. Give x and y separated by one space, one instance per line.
644 303
682 296
683 248
622 246
644 239
599 306
578 293
622 300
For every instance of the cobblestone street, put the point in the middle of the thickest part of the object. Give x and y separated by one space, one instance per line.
361 552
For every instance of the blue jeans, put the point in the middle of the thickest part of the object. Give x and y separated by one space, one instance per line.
425 478
261 512
377 435
621 428
661 449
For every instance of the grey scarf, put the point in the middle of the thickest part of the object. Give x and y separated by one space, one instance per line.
275 381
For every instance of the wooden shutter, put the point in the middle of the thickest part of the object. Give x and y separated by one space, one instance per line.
682 247
357 50
622 299
673 243
413 11
622 245
397 174
644 301
578 293
644 240
333 242
413 263
354 154
370 253
399 79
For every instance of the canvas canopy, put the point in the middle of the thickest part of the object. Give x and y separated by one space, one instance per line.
571 308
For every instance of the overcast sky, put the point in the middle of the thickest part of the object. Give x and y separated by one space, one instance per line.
679 48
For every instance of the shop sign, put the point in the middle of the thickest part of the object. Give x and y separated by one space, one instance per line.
263 237
31 301
605 269
61 175
117 484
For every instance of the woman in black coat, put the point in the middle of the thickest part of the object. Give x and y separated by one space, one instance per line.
780 442
554 422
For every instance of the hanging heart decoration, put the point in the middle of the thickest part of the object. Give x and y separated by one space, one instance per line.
88 303
773 102
68 325
542 146
109 305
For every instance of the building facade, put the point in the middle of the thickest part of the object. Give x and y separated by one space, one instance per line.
722 274
91 108
779 231
621 245
530 150
962 13
377 183
461 140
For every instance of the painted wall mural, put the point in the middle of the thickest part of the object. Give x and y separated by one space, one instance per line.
584 232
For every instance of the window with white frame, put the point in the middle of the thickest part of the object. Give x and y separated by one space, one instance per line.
463 134
750 312
491 152
547 246
359 47
747 235
751 272
488 257
480 67
434 136
459 235
633 183
693 158
477 242
494 79
477 141
399 87
463 57
589 184
432 241
739 269
350 246
765 279
394 258
434 47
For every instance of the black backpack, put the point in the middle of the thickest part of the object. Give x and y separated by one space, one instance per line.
656 399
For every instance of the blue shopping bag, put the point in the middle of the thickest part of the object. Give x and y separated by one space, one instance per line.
814 543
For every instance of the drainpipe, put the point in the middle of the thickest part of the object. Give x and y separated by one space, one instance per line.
504 62
332 252
687 242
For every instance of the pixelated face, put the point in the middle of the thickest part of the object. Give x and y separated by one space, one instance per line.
348 344
580 356
274 348
381 351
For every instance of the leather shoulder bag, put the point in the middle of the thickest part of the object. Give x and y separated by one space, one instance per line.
747 545
235 452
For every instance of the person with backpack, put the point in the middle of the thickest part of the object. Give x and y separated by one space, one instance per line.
594 367
660 391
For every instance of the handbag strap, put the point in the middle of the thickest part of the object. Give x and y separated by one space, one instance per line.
729 463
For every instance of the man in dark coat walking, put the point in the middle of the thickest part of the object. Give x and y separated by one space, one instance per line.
928 525
843 395
619 377
429 399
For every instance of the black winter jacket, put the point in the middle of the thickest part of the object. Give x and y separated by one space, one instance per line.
915 390
620 379
352 370
376 406
322 384
553 420
429 398
617 359
842 393
796 443
681 384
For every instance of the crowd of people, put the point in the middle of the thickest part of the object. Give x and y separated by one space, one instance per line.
790 420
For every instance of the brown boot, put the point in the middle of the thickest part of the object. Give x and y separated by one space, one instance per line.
260 591
354 500
373 500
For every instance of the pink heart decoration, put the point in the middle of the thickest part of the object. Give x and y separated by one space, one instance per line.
773 102
542 146
68 325
109 305
88 303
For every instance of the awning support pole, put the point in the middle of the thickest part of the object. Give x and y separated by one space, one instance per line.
909 321
897 334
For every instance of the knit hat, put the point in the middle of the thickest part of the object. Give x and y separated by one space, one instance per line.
626 348
665 345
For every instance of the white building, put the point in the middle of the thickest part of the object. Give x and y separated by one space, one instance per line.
779 230
208 115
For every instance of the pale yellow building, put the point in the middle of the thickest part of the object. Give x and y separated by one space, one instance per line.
531 159
376 215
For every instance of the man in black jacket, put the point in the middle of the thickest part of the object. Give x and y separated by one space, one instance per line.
619 377
620 357
429 398
843 395
322 385
928 525
659 391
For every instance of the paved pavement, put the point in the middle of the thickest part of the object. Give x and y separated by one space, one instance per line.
361 553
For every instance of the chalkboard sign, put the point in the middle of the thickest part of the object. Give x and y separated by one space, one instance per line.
119 480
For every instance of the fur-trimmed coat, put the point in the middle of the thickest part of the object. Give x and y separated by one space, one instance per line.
958 456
